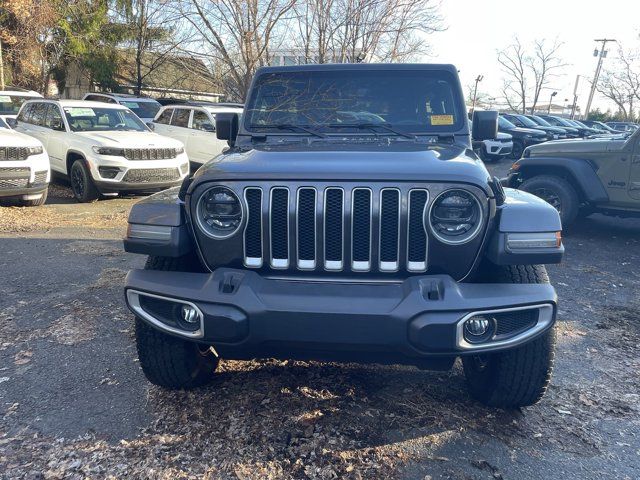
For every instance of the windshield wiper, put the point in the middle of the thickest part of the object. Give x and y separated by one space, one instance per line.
372 126
290 126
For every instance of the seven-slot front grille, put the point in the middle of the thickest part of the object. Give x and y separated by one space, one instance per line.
14 153
150 153
359 229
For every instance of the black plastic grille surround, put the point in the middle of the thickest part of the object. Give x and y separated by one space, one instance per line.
512 323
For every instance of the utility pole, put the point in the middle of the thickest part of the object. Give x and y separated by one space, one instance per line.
1 68
551 100
475 92
600 56
575 97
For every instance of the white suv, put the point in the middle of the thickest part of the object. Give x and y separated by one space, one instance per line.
195 126
12 99
24 167
103 148
144 107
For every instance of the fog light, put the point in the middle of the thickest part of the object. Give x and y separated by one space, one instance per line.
478 329
189 314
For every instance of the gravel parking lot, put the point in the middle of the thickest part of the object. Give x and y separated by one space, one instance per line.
74 402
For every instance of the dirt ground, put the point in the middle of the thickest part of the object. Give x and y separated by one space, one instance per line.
74 402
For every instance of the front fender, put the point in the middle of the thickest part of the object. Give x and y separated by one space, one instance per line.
158 226
582 172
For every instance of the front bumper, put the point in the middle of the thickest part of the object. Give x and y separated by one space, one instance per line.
27 179
245 315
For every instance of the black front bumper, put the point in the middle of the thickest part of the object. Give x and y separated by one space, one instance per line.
34 189
245 315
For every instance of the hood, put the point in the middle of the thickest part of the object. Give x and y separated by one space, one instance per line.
504 136
354 162
528 131
577 146
130 139
11 138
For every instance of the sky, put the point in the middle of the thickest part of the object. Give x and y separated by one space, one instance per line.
477 29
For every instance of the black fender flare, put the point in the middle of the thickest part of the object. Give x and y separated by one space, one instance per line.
581 172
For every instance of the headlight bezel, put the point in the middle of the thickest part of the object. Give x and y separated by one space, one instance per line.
467 236
108 151
205 228
35 150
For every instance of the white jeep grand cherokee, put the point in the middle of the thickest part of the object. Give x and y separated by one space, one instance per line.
24 168
103 148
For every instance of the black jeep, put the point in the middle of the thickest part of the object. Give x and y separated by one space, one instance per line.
349 221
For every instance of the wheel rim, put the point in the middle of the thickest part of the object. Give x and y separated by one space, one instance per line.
77 181
550 197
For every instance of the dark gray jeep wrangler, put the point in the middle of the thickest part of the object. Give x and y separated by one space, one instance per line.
349 221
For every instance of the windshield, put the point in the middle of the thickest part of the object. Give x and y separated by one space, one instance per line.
10 105
142 108
504 123
540 121
3 124
94 119
346 100
527 121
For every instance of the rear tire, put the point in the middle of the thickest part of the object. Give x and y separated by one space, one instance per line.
84 190
166 360
518 377
556 191
35 203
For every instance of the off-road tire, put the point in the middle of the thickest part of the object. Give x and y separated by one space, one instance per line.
518 377
82 186
568 201
35 203
169 361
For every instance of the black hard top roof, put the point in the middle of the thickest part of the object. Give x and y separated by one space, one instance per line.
358 66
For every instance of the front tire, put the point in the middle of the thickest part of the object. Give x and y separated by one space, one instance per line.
556 191
517 150
169 361
84 190
518 377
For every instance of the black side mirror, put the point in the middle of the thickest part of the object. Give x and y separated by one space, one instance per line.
227 126
12 122
151 126
207 127
485 125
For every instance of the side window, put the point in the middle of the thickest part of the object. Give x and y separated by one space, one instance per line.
181 117
53 119
201 121
39 114
25 113
165 117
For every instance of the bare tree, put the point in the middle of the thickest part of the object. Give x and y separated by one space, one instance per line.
621 83
527 74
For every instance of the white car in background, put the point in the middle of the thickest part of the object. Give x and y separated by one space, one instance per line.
144 107
12 99
195 126
497 148
24 168
103 148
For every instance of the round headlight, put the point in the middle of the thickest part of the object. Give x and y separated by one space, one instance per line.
455 216
219 212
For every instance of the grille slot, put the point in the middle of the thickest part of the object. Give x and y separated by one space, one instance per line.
361 230
279 227
253 231
306 228
389 229
416 236
333 228
40 177
512 323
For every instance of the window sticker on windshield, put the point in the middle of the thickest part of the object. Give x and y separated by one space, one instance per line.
80 112
441 119
5 99
130 104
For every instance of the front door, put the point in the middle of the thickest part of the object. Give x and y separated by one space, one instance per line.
56 139
203 145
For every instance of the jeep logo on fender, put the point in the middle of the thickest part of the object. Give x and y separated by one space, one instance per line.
616 184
